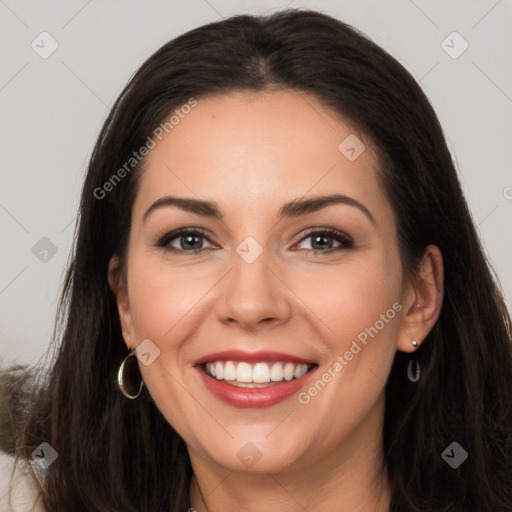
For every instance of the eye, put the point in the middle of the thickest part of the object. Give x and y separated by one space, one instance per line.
192 241
325 240
184 240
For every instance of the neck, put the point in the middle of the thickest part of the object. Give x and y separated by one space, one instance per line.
346 478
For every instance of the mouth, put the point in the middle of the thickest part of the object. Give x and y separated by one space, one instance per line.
259 379
255 375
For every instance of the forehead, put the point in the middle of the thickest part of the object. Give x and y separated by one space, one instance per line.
249 149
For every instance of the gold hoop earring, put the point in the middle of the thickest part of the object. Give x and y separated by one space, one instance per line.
127 375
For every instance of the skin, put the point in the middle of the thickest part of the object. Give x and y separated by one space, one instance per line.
251 153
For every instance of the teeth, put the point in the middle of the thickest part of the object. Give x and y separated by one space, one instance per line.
276 372
246 374
229 371
288 371
261 373
219 371
243 372
300 370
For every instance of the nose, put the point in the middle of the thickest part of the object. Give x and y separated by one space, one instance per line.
253 296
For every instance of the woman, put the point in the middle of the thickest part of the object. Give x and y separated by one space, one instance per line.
277 299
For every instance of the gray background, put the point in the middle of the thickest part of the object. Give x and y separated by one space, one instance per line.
52 110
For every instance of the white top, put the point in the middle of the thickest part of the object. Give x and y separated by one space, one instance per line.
23 494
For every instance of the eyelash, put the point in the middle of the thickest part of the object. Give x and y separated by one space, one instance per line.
344 239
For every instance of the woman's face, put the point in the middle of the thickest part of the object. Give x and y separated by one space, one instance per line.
296 267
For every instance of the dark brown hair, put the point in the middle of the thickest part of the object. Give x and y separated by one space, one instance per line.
116 454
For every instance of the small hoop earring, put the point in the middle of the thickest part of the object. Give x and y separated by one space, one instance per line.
126 377
414 343
413 374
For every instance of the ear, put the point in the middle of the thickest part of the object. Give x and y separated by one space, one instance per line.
119 287
422 300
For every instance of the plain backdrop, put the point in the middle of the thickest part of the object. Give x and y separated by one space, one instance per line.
52 109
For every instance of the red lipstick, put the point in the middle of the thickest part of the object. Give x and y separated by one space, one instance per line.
251 357
261 395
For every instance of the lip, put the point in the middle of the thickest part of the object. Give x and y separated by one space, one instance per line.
251 357
253 397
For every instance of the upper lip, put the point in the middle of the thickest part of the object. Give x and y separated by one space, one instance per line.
250 357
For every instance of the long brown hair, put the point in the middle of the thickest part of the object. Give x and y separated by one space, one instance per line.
116 454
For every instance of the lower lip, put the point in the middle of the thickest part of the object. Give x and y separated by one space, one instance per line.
253 397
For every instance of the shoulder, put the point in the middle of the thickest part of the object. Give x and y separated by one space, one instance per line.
23 493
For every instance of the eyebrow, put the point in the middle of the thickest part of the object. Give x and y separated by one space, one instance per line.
294 208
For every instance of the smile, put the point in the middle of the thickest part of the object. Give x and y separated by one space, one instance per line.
256 380
261 374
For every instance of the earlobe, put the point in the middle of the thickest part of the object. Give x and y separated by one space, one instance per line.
118 286
422 300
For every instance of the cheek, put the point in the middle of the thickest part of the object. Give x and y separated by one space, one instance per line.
162 302
357 309
348 299
162 297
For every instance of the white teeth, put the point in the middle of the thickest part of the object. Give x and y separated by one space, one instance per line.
229 371
299 371
257 373
261 373
243 372
288 371
276 372
219 370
